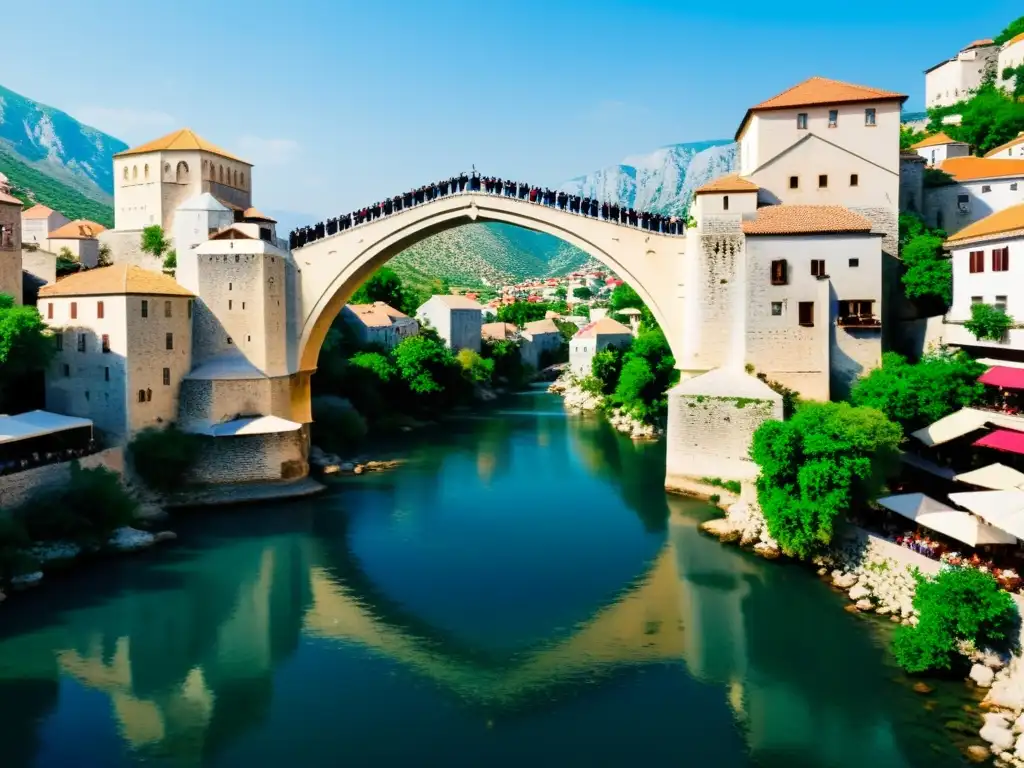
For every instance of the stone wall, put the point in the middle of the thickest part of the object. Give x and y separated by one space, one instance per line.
125 247
253 458
218 400
15 489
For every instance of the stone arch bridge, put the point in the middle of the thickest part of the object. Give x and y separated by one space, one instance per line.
331 269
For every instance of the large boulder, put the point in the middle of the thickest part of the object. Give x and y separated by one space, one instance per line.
844 580
1000 737
982 675
859 592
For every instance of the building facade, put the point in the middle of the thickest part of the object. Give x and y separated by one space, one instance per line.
124 343
935 149
1011 56
591 339
10 243
379 324
456 319
957 78
979 187
1011 149
38 222
541 339
79 237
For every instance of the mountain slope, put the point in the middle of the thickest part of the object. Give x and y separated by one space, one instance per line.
35 186
57 145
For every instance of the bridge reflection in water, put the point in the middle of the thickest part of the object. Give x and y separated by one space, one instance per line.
189 661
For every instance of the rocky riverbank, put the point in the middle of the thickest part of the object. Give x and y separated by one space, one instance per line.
331 464
578 400
744 524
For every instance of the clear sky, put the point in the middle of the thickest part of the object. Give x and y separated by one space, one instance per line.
340 103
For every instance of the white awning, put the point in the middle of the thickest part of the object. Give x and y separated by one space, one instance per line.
1004 509
933 514
36 424
998 477
256 425
958 424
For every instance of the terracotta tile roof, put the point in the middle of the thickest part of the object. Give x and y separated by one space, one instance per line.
252 213
820 91
9 199
231 232
934 141
370 316
37 211
1010 143
977 168
498 331
547 325
181 140
115 280
1005 221
805 219
980 43
603 327
731 183
79 229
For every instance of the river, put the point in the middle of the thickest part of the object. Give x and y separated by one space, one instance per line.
520 593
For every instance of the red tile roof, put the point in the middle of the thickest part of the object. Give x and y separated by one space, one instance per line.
805 219
731 183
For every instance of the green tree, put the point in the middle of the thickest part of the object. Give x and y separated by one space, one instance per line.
582 293
909 137
163 458
475 368
816 466
385 285
605 368
519 313
624 297
509 368
26 348
1017 75
378 364
154 242
337 426
988 322
561 291
648 370
957 606
428 368
1013 29
989 118
928 272
104 257
917 394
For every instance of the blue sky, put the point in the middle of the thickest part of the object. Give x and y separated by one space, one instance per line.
340 103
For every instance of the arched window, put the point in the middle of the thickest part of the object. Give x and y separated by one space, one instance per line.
126 173
167 169
220 173
145 171
181 172
241 178
135 172
205 163
236 178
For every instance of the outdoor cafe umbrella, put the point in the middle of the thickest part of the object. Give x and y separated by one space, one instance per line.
933 514
998 477
1003 509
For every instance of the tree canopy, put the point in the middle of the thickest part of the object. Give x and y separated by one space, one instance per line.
26 349
385 285
1013 29
989 118
519 313
917 394
153 241
928 272
815 465
988 322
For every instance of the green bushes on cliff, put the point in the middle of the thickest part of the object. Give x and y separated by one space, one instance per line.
164 457
816 466
928 272
337 425
956 606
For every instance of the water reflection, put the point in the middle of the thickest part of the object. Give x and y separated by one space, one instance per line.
306 633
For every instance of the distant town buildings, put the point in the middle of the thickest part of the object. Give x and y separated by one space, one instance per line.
379 324
79 237
1011 56
456 319
955 79
38 222
540 339
982 186
1014 148
938 147
499 332
594 337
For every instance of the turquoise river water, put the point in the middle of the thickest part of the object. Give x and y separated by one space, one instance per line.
520 593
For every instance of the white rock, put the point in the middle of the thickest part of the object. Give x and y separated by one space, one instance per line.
859 592
883 610
55 550
982 675
27 579
1000 738
1018 724
1000 719
844 580
1019 746
130 539
864 605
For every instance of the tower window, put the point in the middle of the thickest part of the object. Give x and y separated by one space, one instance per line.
806 311
869 116
725 203
822 181
167 309
833 118
99 310
801 121
794 182
167 377
74 310
145 308
854 180
49 311
169 340
142 395
106 373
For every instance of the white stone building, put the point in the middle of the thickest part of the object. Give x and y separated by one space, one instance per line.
124 343
456 319
594 337
1014 148
80 238
38 222
937 148
982 186
379 324
152 180
1011 56
957 78
988 268
197 219
539 337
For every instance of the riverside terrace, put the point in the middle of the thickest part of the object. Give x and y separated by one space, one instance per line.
584 206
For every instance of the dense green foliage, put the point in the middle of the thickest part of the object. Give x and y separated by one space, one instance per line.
476 369
928 272
26 348
956 606
1013 29
53 193
337 426
85 510
990 117
164 457
909 137
624 297
384 285
988 322
583 293
606 367
519 313
816 465
508 368
917 394
636 379
171 260
154 241
1017 75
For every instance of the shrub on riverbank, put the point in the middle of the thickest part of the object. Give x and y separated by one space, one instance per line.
957 606
816 465
163 457
337 426
917 394
13 541
86 510
636 379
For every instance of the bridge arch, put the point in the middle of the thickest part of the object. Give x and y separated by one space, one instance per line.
331 269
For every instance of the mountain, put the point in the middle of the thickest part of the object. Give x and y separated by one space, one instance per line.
57 145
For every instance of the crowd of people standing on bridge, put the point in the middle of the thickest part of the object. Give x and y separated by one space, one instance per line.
584 206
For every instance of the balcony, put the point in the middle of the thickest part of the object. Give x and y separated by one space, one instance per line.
859 321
